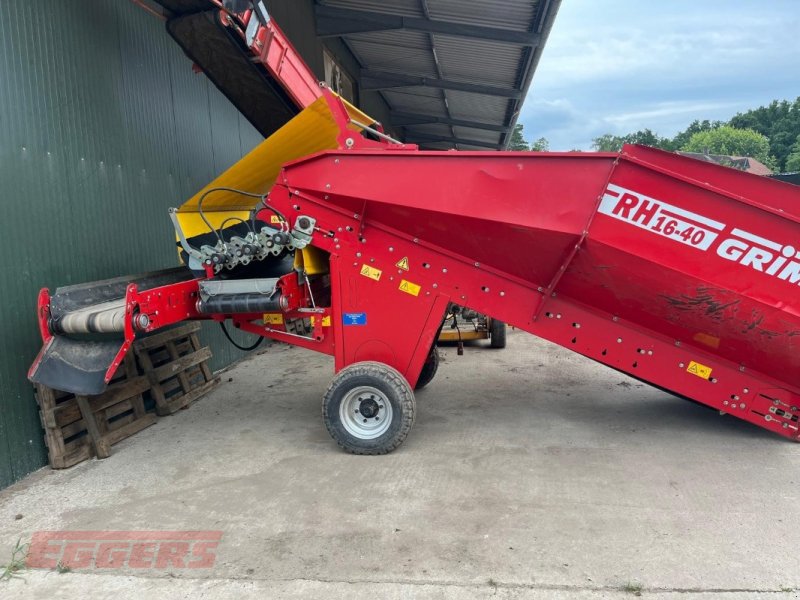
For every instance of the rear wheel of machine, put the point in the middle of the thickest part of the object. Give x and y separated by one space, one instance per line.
497 334
369 408
428 369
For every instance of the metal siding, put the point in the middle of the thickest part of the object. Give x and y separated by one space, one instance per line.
103 126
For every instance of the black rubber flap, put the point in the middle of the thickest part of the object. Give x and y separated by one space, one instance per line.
76 366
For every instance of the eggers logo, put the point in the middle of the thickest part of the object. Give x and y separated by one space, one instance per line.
680 225
121 549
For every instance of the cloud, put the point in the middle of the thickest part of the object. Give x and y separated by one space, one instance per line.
622 65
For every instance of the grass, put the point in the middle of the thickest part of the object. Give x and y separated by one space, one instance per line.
633 588
62 568
18 556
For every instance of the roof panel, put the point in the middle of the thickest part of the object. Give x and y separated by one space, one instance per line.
484 58
429 129
514 15
395 51
478 61
423 100
405 8
479 135
477 107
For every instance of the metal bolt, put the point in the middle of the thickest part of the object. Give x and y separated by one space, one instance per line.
502 293
444 270
391 249
358 254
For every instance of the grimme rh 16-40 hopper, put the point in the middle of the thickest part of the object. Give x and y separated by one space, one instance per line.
677 272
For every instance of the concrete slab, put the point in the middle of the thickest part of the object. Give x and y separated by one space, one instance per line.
530 472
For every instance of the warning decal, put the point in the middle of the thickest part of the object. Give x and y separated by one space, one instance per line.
273 319
326 321
275 219
696 368
371 272
409 288
402 263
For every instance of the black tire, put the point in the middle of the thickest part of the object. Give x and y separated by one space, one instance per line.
497 334
428 369
363 388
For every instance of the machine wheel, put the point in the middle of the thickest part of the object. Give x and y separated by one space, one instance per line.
497 334
369 408
428 369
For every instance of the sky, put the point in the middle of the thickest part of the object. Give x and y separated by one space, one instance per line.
617 66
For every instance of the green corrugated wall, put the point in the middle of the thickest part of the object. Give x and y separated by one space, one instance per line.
103 126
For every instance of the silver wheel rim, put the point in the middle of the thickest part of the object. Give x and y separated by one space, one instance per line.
365 413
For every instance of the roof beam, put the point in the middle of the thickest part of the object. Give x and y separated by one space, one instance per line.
334 22
380 80
403 119
413 137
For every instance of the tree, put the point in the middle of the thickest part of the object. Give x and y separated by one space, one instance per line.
779 121
793 160
681 138
732 142
518 139
614 143
541 145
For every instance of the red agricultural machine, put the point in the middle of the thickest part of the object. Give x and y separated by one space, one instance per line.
679 273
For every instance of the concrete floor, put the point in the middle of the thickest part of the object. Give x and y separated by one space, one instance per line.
530 472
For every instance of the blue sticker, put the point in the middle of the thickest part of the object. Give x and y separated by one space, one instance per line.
354 318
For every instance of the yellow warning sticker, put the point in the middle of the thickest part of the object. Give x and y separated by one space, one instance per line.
695 368
273 319
409 288
275 219
326 321
402 263
371 272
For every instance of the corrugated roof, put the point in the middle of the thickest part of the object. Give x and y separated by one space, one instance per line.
454 73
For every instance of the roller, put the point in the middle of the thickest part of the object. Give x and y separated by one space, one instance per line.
229 304
108 317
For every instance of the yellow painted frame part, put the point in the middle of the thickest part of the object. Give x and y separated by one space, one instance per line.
312 130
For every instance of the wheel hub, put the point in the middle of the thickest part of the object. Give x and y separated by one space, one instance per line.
368 408
365 412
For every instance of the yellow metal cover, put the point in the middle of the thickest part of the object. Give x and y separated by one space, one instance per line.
311 131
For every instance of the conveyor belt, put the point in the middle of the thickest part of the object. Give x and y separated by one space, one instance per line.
195 25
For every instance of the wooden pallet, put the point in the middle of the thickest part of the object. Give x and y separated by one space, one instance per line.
176 367
79 427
